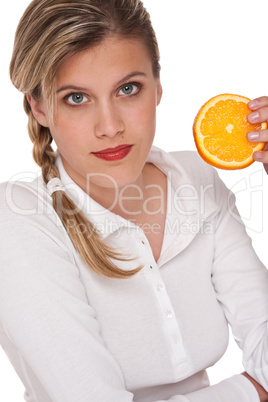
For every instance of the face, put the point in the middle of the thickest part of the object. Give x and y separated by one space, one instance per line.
105 117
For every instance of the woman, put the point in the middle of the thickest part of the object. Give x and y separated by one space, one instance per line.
122 264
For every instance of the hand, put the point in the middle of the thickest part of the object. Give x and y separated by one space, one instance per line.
259 107
263 395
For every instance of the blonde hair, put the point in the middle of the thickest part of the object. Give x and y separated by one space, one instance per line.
50 32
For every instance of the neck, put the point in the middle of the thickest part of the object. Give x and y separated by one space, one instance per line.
137 201
126 200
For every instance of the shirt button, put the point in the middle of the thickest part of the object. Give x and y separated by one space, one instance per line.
177 340
143 242
169 314
160 287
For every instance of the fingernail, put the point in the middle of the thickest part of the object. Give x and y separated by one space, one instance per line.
258 155
253 135
252 104
254 116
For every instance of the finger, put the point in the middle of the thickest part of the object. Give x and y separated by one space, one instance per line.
261 156
258 136
257 103
258 116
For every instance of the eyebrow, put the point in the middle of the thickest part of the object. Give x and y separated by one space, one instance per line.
122 81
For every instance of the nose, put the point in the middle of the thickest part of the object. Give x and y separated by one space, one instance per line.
108 121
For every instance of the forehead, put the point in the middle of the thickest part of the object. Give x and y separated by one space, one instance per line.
110 60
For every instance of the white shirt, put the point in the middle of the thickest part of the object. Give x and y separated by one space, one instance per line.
73 336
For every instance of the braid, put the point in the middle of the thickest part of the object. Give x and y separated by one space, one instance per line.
85 238
43 152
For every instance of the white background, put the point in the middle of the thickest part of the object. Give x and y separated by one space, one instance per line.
207 47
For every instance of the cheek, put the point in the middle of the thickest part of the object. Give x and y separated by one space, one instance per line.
146 122
143 117
70 132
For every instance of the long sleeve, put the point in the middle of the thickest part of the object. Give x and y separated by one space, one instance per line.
241 284
232 389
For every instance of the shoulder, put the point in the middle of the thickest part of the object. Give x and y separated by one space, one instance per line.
29 223
185 167
25 206
19 199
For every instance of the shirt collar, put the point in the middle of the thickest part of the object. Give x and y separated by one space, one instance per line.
192 205
193 200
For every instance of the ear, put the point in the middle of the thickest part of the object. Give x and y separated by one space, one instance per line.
159 92
39 111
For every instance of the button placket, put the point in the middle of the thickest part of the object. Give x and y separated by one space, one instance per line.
172 329
171 325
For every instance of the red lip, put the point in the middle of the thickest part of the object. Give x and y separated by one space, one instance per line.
112 154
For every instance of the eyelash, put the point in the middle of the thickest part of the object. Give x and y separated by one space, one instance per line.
138 91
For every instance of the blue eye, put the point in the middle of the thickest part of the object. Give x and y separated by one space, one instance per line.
128 89
77 99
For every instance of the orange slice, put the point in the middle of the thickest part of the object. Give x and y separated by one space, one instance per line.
220 130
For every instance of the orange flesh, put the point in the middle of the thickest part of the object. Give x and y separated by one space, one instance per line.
224 127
